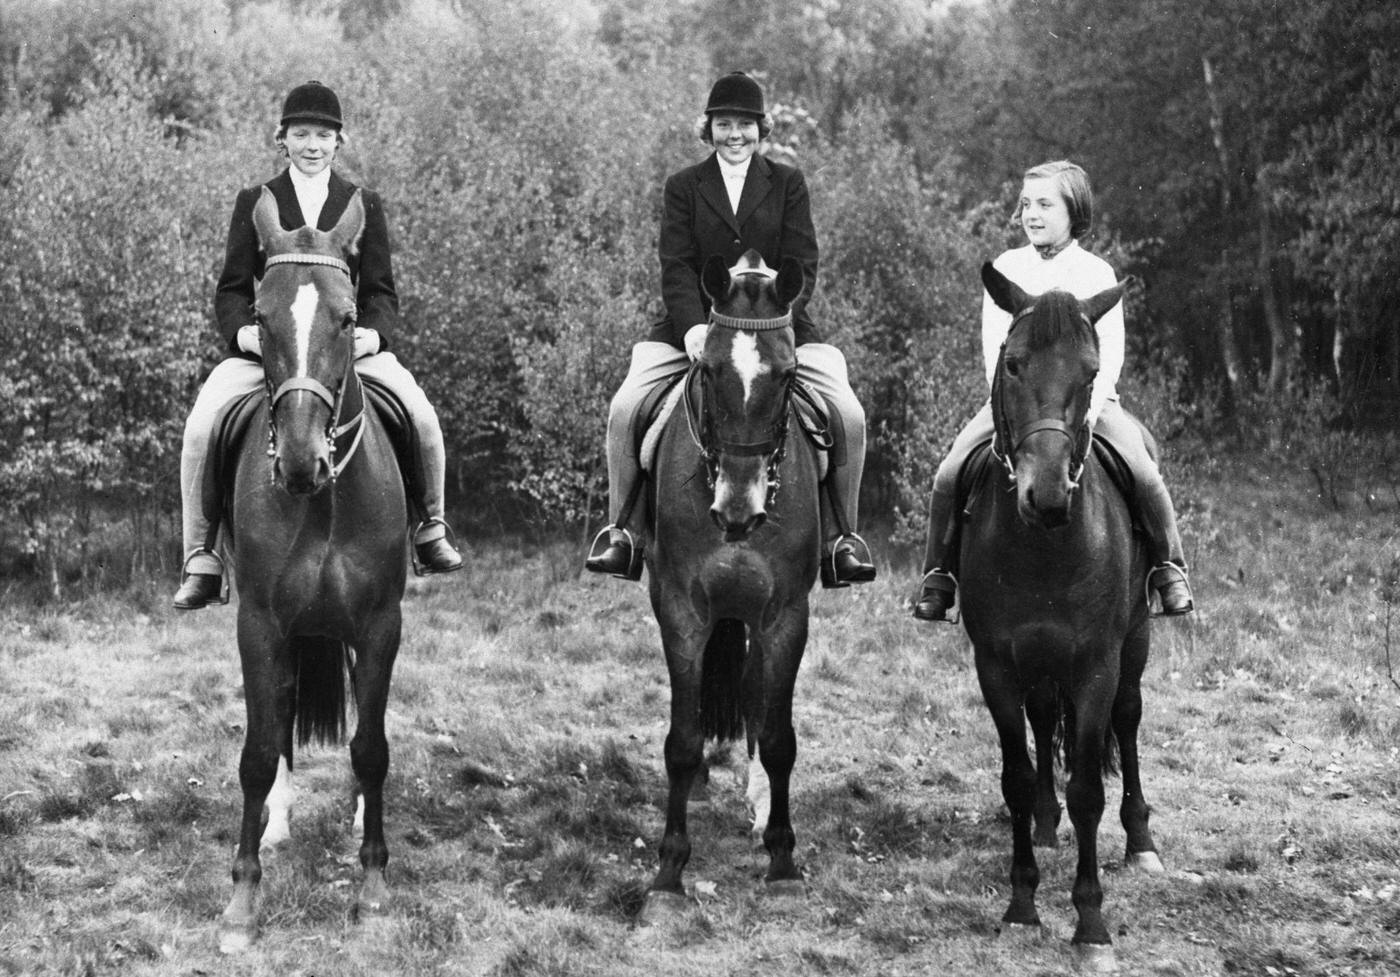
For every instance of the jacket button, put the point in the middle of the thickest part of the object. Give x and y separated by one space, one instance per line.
737 241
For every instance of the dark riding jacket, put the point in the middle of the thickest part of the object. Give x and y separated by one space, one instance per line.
774 218
244 259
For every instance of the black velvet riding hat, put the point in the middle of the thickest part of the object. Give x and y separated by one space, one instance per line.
736 92
312 102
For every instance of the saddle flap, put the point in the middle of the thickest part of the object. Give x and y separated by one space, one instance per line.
972 479
230 429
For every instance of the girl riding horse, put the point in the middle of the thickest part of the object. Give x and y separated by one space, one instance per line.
732 202
1055 210
307 193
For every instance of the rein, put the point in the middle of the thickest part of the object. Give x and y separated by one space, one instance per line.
1008 441
333 400
701 423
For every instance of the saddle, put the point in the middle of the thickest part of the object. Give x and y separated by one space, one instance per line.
976 471
231 428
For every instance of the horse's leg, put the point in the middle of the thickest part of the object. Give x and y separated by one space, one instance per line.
779 649
684 753
1084 798
758 794
269 684
1042 710
1005 702
1127 715
278 830
369 749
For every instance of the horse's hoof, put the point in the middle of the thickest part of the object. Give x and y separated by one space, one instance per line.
1022 932
785 889
661 906
1145 861
1097 958
236 937
373 899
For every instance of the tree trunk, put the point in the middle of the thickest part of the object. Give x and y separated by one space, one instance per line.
1283 334
1229 352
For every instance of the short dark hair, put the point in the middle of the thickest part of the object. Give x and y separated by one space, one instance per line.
280 136
703 131
1073 184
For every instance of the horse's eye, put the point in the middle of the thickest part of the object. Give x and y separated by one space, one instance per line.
348 322
1012 368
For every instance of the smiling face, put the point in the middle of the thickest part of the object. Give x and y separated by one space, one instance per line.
311 146
1044 213
734 136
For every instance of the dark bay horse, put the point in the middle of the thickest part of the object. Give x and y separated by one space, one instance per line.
734 559
1053 602
318 528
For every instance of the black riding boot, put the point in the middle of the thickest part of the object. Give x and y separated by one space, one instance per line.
201 589
1173 588
433 549
939 588
620 558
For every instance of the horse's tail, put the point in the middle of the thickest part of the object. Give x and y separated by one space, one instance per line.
322 667
1065 737
721 682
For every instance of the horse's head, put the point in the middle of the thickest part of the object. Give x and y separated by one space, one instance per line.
746 370
1041 389
306 317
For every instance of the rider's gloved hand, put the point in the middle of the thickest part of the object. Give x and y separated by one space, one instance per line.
249 340
366 341
695 340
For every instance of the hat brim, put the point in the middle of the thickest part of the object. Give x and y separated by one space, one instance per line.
312 117
734 110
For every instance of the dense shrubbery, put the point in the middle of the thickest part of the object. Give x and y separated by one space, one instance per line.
521 152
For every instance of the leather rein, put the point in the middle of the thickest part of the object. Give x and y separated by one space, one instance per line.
1005 435
332 399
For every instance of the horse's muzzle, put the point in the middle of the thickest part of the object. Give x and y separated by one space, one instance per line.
739 506
304 478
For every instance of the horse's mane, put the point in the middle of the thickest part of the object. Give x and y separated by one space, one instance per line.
1056 316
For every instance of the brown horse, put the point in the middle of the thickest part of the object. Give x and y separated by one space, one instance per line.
735 556
1052 600
318 529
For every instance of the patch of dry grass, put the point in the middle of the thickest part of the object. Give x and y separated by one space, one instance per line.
523 806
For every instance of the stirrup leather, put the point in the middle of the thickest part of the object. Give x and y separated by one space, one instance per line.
634 566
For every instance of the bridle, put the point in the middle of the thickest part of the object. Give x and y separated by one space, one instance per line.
702 428
1008 441
332 399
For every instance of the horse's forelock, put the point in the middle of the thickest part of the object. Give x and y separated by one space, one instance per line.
1056 316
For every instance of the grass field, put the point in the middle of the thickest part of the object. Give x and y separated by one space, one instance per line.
526 726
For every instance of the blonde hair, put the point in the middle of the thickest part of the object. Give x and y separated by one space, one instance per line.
1073 184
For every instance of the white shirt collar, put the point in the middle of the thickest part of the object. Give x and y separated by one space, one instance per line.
320 183
733 171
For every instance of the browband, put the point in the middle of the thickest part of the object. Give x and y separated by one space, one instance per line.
293 258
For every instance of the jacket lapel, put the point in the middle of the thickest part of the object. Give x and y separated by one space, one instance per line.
756 187
337 199
288 210
711 186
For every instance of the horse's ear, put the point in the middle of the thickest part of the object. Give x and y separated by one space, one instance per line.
345 236
268 223
1008 296
1095 306
791 279
714 278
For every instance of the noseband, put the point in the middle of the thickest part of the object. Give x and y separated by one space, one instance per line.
332 399
702 428
1008 441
